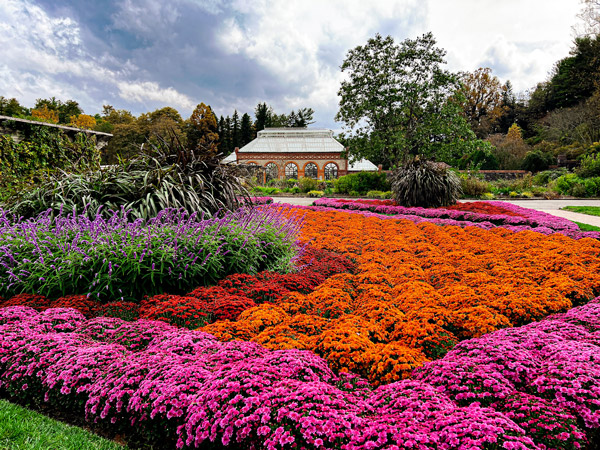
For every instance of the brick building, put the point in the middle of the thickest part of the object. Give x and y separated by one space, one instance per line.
298 152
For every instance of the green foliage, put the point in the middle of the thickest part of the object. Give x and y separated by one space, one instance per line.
23 429
316 194
41 152
119 258
379 194
481 158
173 177
265 190
426 184
571 184
12 108
307 184
589 167
543 178
398 101
537 160
362 182
575 76
473 187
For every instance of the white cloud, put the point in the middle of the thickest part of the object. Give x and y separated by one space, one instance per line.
303 42
142 91
521 39
44 56
146 18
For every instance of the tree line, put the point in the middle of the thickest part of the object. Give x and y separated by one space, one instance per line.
201 130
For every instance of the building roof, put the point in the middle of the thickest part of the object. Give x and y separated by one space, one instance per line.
293 140
362 165
231 158
53 125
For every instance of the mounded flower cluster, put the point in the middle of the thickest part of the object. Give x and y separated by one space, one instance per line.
534 387
261 200
512 217
418 290
493 208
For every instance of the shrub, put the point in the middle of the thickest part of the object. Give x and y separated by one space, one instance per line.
87 306
537 160
571 184
41 151
482 159
488 196
308 184
590 166
186 312
546 176
379 194
426 184
362 183
317 194
473 187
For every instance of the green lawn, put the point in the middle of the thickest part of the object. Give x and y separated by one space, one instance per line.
23 429
589 210
586 227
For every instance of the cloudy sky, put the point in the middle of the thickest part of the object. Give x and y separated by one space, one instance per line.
141 55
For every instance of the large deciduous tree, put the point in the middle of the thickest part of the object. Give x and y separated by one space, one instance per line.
398 101
483 106
203 133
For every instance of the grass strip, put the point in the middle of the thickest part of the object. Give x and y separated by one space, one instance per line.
589 210
586 227
23 429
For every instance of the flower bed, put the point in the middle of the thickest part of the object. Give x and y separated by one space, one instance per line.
549 225
534 387
224 301
119 259
500 213
418 289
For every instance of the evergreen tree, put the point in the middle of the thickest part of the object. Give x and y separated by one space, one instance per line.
235 130
228 144
245 130
264 116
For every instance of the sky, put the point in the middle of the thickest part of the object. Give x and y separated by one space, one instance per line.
140 55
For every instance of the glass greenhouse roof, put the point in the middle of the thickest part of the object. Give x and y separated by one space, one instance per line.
293 140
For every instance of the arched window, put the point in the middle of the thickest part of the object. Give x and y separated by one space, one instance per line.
311 171
271 172
331 171
291 171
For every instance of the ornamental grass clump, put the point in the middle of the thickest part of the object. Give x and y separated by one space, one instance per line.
425 183
116 258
